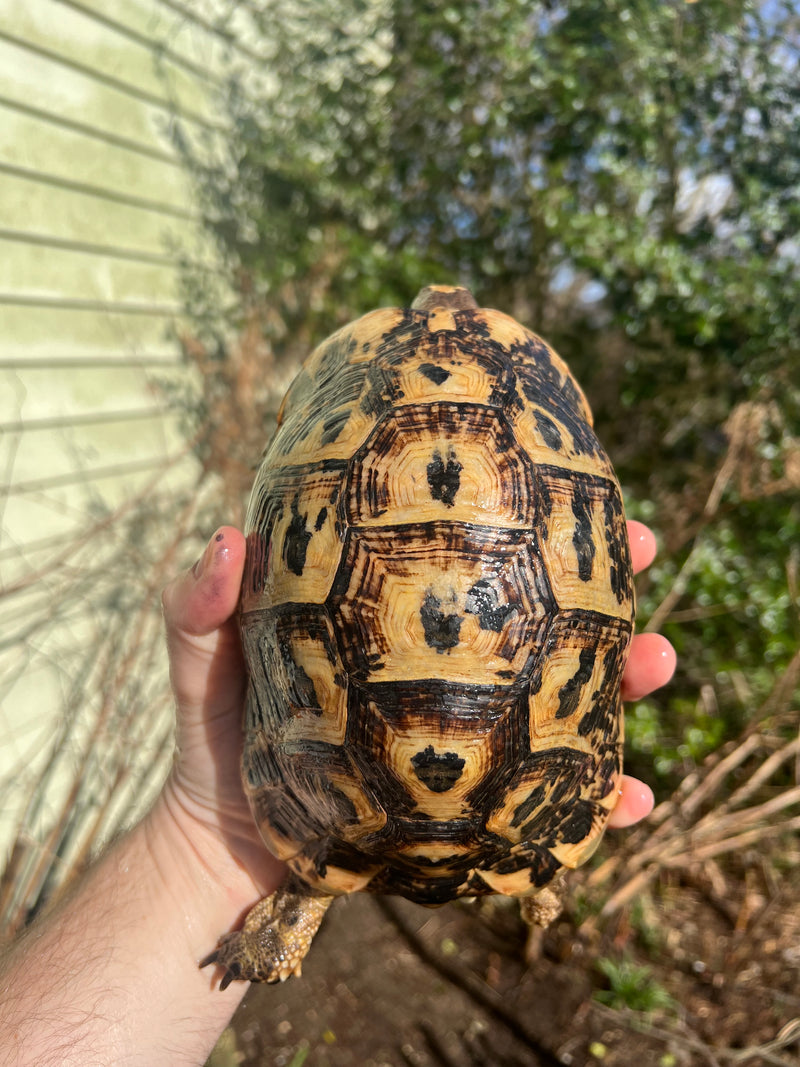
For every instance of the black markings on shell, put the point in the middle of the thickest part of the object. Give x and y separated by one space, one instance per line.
441 629
577 823
549 431
542 383
257 559
301 687
618 549
605 705
379 393
295 544
458 709
569 694
439 771
260 765
582 538
444 479
338 854
435 374
482 600
534 858
524 811
342 803
333 425
538 378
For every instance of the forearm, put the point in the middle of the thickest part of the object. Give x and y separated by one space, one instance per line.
111 976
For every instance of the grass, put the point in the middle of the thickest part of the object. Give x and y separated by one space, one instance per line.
632 986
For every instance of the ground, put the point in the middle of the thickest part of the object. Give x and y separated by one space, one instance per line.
683 977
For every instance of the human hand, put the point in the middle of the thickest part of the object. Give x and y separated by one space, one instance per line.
651 664
208 678
209 682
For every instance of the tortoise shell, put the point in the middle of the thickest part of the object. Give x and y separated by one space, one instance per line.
436 611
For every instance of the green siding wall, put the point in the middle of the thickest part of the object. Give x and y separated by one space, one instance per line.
93 202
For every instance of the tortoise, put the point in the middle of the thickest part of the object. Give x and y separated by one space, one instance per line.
436 610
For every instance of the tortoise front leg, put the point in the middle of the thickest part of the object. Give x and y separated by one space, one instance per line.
274 939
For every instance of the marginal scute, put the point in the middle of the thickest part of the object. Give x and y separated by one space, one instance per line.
436 611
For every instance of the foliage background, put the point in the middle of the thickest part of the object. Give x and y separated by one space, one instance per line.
620 176
623 178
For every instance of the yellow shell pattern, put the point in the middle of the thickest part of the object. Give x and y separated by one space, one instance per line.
436 611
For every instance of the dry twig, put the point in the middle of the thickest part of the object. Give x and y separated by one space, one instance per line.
715 1057
709 814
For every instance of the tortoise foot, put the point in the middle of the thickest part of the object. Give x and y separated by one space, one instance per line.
274 939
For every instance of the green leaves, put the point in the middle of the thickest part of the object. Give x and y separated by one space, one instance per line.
622 176
631 986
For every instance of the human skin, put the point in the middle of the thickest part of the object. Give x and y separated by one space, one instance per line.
110 975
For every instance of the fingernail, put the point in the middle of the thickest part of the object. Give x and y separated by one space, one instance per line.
201 564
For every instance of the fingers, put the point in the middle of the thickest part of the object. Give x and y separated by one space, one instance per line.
651 664
201 599
199 604
643 545
652 659
635 803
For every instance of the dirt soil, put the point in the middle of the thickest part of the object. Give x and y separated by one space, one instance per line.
390 984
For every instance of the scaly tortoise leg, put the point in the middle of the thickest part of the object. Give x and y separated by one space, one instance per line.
274 939
538 912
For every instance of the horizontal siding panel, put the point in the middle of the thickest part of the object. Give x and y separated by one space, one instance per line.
202 22
88 45
103 194
99 476
42 508
167 360
73 528
96 417
56 596
154 27
51 331
49 242
28 203
64 302
54 453
31 394
76 537
115 138
25 143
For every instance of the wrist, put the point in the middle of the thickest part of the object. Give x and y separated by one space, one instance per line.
129 938
214 867
193 863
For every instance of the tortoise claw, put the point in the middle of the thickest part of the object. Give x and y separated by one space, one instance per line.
276 936
233 969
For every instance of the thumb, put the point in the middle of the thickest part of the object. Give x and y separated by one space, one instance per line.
202 635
